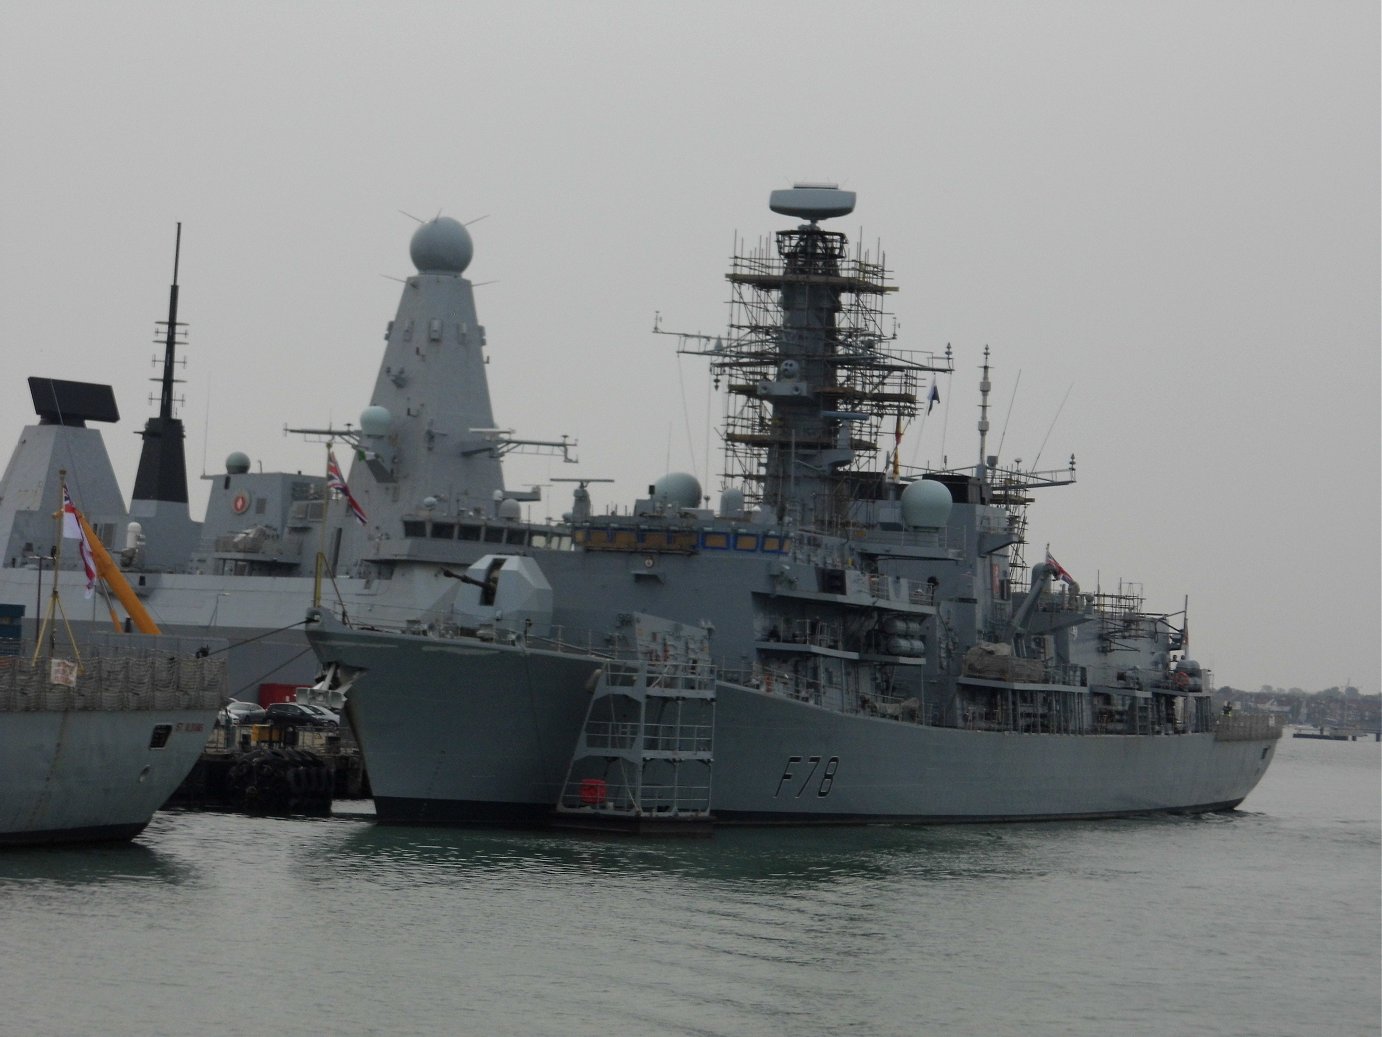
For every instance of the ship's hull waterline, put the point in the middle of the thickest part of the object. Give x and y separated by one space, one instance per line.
87 776
489 743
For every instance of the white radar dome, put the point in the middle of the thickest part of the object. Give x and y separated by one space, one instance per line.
731 502
238 463
678 489
374 421
510 509
441 246
925 505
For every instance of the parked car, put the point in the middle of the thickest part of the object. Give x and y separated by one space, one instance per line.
327 715
237 712
293 714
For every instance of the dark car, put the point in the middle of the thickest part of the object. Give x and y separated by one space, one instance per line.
291 714
237 712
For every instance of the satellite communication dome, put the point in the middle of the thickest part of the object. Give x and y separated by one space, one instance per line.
678 489
925 505
441 246
510 509
374 421
238 463
731 502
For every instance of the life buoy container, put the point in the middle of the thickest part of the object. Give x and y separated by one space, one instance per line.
1182 679
241 503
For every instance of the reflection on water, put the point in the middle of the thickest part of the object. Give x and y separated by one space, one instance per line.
97 864
764 859
1158 924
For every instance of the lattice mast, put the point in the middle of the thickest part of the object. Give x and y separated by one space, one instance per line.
813 389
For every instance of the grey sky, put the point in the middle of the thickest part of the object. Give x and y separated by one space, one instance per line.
1171 207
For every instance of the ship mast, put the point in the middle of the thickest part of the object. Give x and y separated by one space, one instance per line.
813 383
162 473
984 386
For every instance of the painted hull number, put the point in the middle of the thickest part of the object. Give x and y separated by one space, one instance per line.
806 772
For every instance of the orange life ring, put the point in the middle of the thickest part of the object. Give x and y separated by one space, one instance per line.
241 503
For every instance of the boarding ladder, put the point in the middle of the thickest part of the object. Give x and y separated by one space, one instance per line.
644 755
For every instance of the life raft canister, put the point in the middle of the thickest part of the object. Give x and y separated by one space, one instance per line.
593 792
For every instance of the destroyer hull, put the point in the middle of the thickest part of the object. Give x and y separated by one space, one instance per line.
484 735
90 775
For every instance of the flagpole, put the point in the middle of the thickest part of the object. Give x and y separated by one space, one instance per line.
45 627
321 542
49 627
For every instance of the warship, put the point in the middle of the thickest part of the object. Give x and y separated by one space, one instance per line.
841 639
92 760
95 737
247 569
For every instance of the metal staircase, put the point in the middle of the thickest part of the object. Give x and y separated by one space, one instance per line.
642 763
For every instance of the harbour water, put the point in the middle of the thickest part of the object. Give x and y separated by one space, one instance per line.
1260 922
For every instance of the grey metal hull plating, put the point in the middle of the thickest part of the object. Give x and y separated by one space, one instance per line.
773 764
85 775
492 749
495 750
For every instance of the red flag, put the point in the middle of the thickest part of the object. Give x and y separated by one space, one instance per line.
72 530
336 481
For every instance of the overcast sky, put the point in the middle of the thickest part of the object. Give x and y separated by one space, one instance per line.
1167 210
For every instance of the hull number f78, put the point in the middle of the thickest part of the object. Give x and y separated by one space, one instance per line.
799 773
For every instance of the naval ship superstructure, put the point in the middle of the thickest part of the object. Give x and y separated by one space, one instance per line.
839 641
424 463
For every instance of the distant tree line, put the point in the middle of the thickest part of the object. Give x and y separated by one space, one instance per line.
1335 706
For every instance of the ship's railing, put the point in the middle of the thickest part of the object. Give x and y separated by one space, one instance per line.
259 541
113 678
1069 674
664 799
900 589
670 675
1247 727
935 539
678 738
618 798
611 734
822 633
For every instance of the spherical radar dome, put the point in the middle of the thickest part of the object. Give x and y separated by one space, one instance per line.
374 421
679 489
926 505
238 463
441 246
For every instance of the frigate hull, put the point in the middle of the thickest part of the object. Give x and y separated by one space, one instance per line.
474 733
781 761
468 733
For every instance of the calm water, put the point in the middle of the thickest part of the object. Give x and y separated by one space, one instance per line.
1262 922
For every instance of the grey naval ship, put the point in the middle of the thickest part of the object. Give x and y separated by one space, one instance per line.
91 760
842 639
94 738
247 570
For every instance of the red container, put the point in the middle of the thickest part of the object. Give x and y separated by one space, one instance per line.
271 693
592 791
